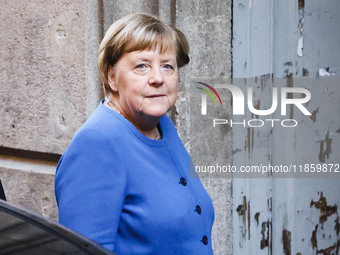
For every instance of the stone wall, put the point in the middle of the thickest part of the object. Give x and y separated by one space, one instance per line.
49 86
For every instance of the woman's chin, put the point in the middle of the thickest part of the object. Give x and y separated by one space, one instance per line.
156 112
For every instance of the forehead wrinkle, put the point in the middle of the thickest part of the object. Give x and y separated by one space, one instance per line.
147 56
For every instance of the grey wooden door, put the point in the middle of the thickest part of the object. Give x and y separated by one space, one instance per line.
288 44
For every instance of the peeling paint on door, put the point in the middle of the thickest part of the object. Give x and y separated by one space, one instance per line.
298 43
286 240
325 210
325 148
320 233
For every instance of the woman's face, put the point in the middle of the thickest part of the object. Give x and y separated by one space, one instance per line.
146 82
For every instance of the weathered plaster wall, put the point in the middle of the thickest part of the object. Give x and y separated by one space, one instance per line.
42 87
41 93
207 25
49 86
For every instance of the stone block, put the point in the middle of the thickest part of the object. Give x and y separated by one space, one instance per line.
207 25
43 86
31 187
114 10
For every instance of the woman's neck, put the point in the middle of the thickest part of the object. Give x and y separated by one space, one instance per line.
151 130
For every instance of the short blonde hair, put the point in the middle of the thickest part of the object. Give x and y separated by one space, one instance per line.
138 32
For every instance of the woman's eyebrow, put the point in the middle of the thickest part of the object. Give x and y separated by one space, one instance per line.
143 59
150 59
170 59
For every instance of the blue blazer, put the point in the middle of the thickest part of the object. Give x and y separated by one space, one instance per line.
132 194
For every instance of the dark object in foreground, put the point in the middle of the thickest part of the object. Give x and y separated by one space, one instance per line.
24 232
2 193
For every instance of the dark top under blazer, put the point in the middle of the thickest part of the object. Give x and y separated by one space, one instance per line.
132 194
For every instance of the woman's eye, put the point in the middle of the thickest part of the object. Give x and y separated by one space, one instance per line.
141 66
168 67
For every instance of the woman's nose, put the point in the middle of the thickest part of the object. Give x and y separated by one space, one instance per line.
156 77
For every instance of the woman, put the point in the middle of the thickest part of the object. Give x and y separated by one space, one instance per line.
124 181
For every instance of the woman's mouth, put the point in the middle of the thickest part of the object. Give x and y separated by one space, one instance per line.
156 96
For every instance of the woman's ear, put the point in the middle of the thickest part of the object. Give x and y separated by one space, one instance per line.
111 79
